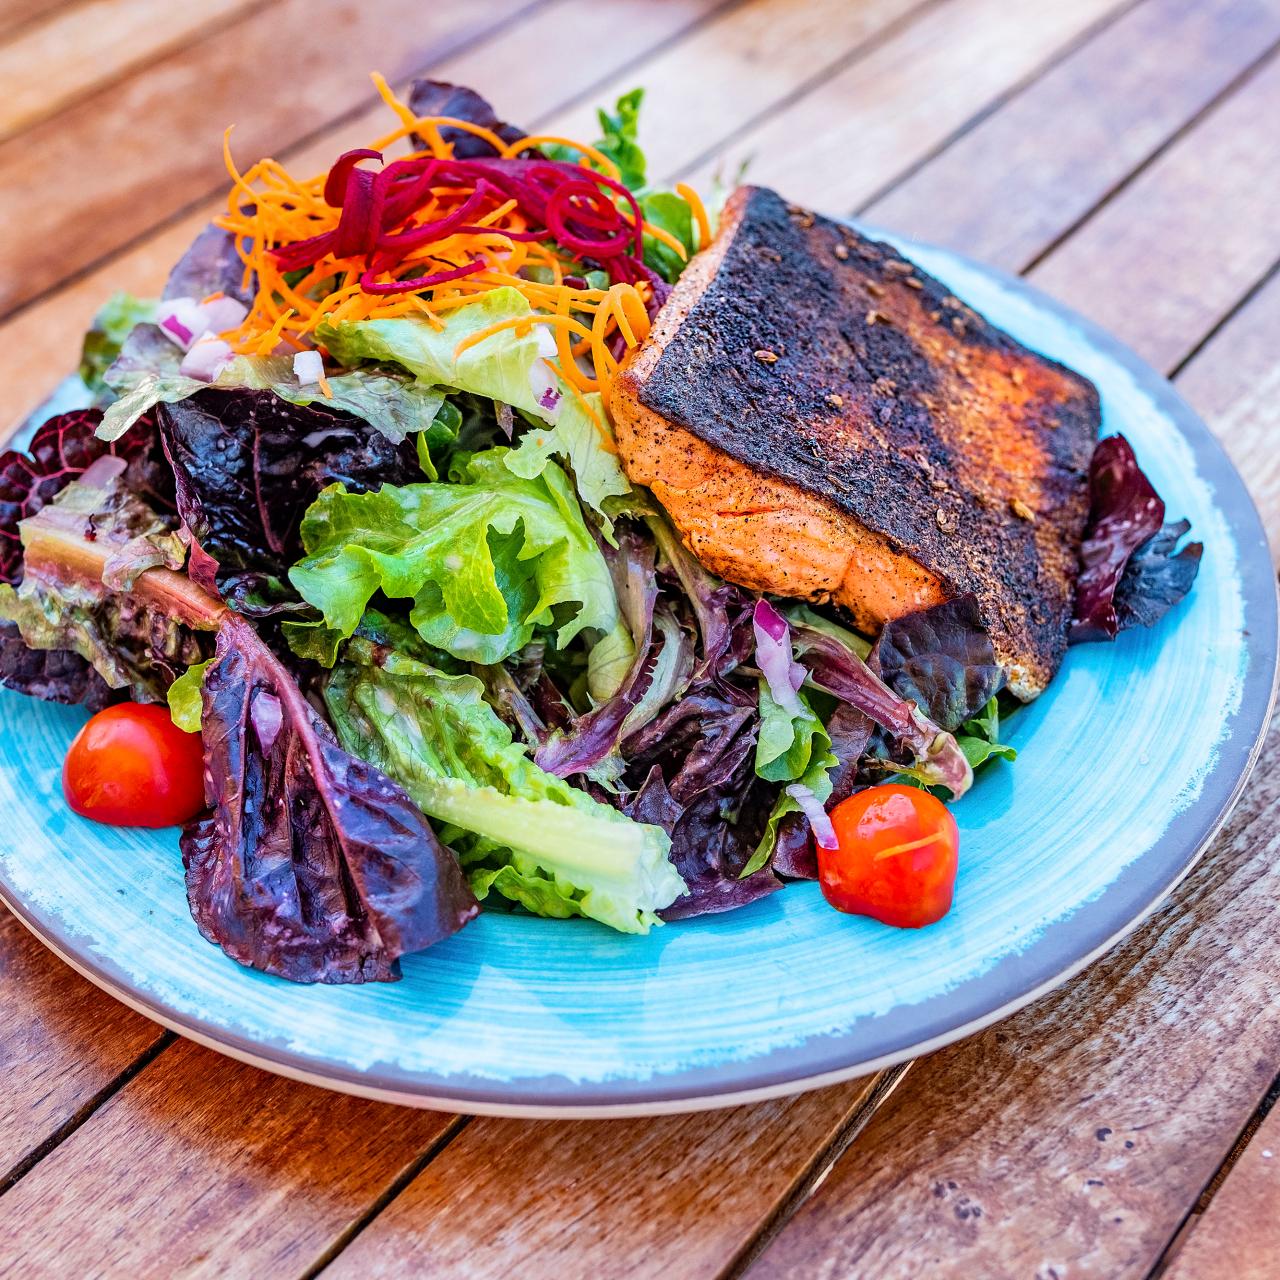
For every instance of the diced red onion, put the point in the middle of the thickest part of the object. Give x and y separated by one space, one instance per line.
182 321
308 367
824 833
546 392
267 717
206 359
221 314
783 674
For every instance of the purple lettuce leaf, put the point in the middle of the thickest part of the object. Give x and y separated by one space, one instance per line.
439 98
62 450
941 659
1157 577
659 672
708 846
1126 515
210 265
837 670
248 465
311 864
53 675
723 611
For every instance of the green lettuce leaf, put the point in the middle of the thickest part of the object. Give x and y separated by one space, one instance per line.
532 837
484 560
390 402
509 367
979 738
186 701
817 777
672 213
111 326
787 744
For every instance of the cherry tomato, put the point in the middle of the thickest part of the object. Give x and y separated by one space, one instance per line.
131 766
897 856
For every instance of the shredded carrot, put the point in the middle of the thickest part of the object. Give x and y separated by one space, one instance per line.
325 389
694 200
268 211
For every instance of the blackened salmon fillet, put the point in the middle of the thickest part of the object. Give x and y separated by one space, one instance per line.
823 420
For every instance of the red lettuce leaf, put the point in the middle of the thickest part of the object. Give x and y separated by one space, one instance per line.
62 450
941 659
439 98
708 846
837 670
311 865
1157 577
248 465
1126 516
54 675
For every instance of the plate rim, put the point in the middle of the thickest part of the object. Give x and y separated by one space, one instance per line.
832 1058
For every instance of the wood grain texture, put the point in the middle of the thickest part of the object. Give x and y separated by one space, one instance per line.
851 135
15 14
1176 249
1234 382
1125 92
1238 1236
54 62
62 1041
741 65
675 1196
152 144
1070 1140
202 1166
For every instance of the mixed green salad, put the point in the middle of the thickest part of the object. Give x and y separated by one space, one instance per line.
346 500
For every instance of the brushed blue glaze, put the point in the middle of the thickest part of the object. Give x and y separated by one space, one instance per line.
1124 767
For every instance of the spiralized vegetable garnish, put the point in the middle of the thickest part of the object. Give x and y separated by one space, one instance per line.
428 233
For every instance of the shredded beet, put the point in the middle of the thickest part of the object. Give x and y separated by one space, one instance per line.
568 204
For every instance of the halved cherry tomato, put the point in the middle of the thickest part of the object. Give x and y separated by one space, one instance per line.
897 856
131 766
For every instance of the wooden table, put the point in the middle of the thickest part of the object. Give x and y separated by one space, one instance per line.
1125 155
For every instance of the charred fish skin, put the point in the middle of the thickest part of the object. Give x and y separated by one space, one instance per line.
823 419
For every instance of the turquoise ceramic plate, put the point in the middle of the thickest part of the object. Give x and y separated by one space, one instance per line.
1127 766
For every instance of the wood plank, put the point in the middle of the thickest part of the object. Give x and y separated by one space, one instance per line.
1173 251
74 52
851 135
205 1167
62 1041
1125 92
1234 381
15 14
1071 1139
696 91
674 1196
1238 1236
43 338
153 144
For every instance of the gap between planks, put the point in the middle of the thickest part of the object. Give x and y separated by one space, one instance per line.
824 1160
1197 1211
1228 90
1073 46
